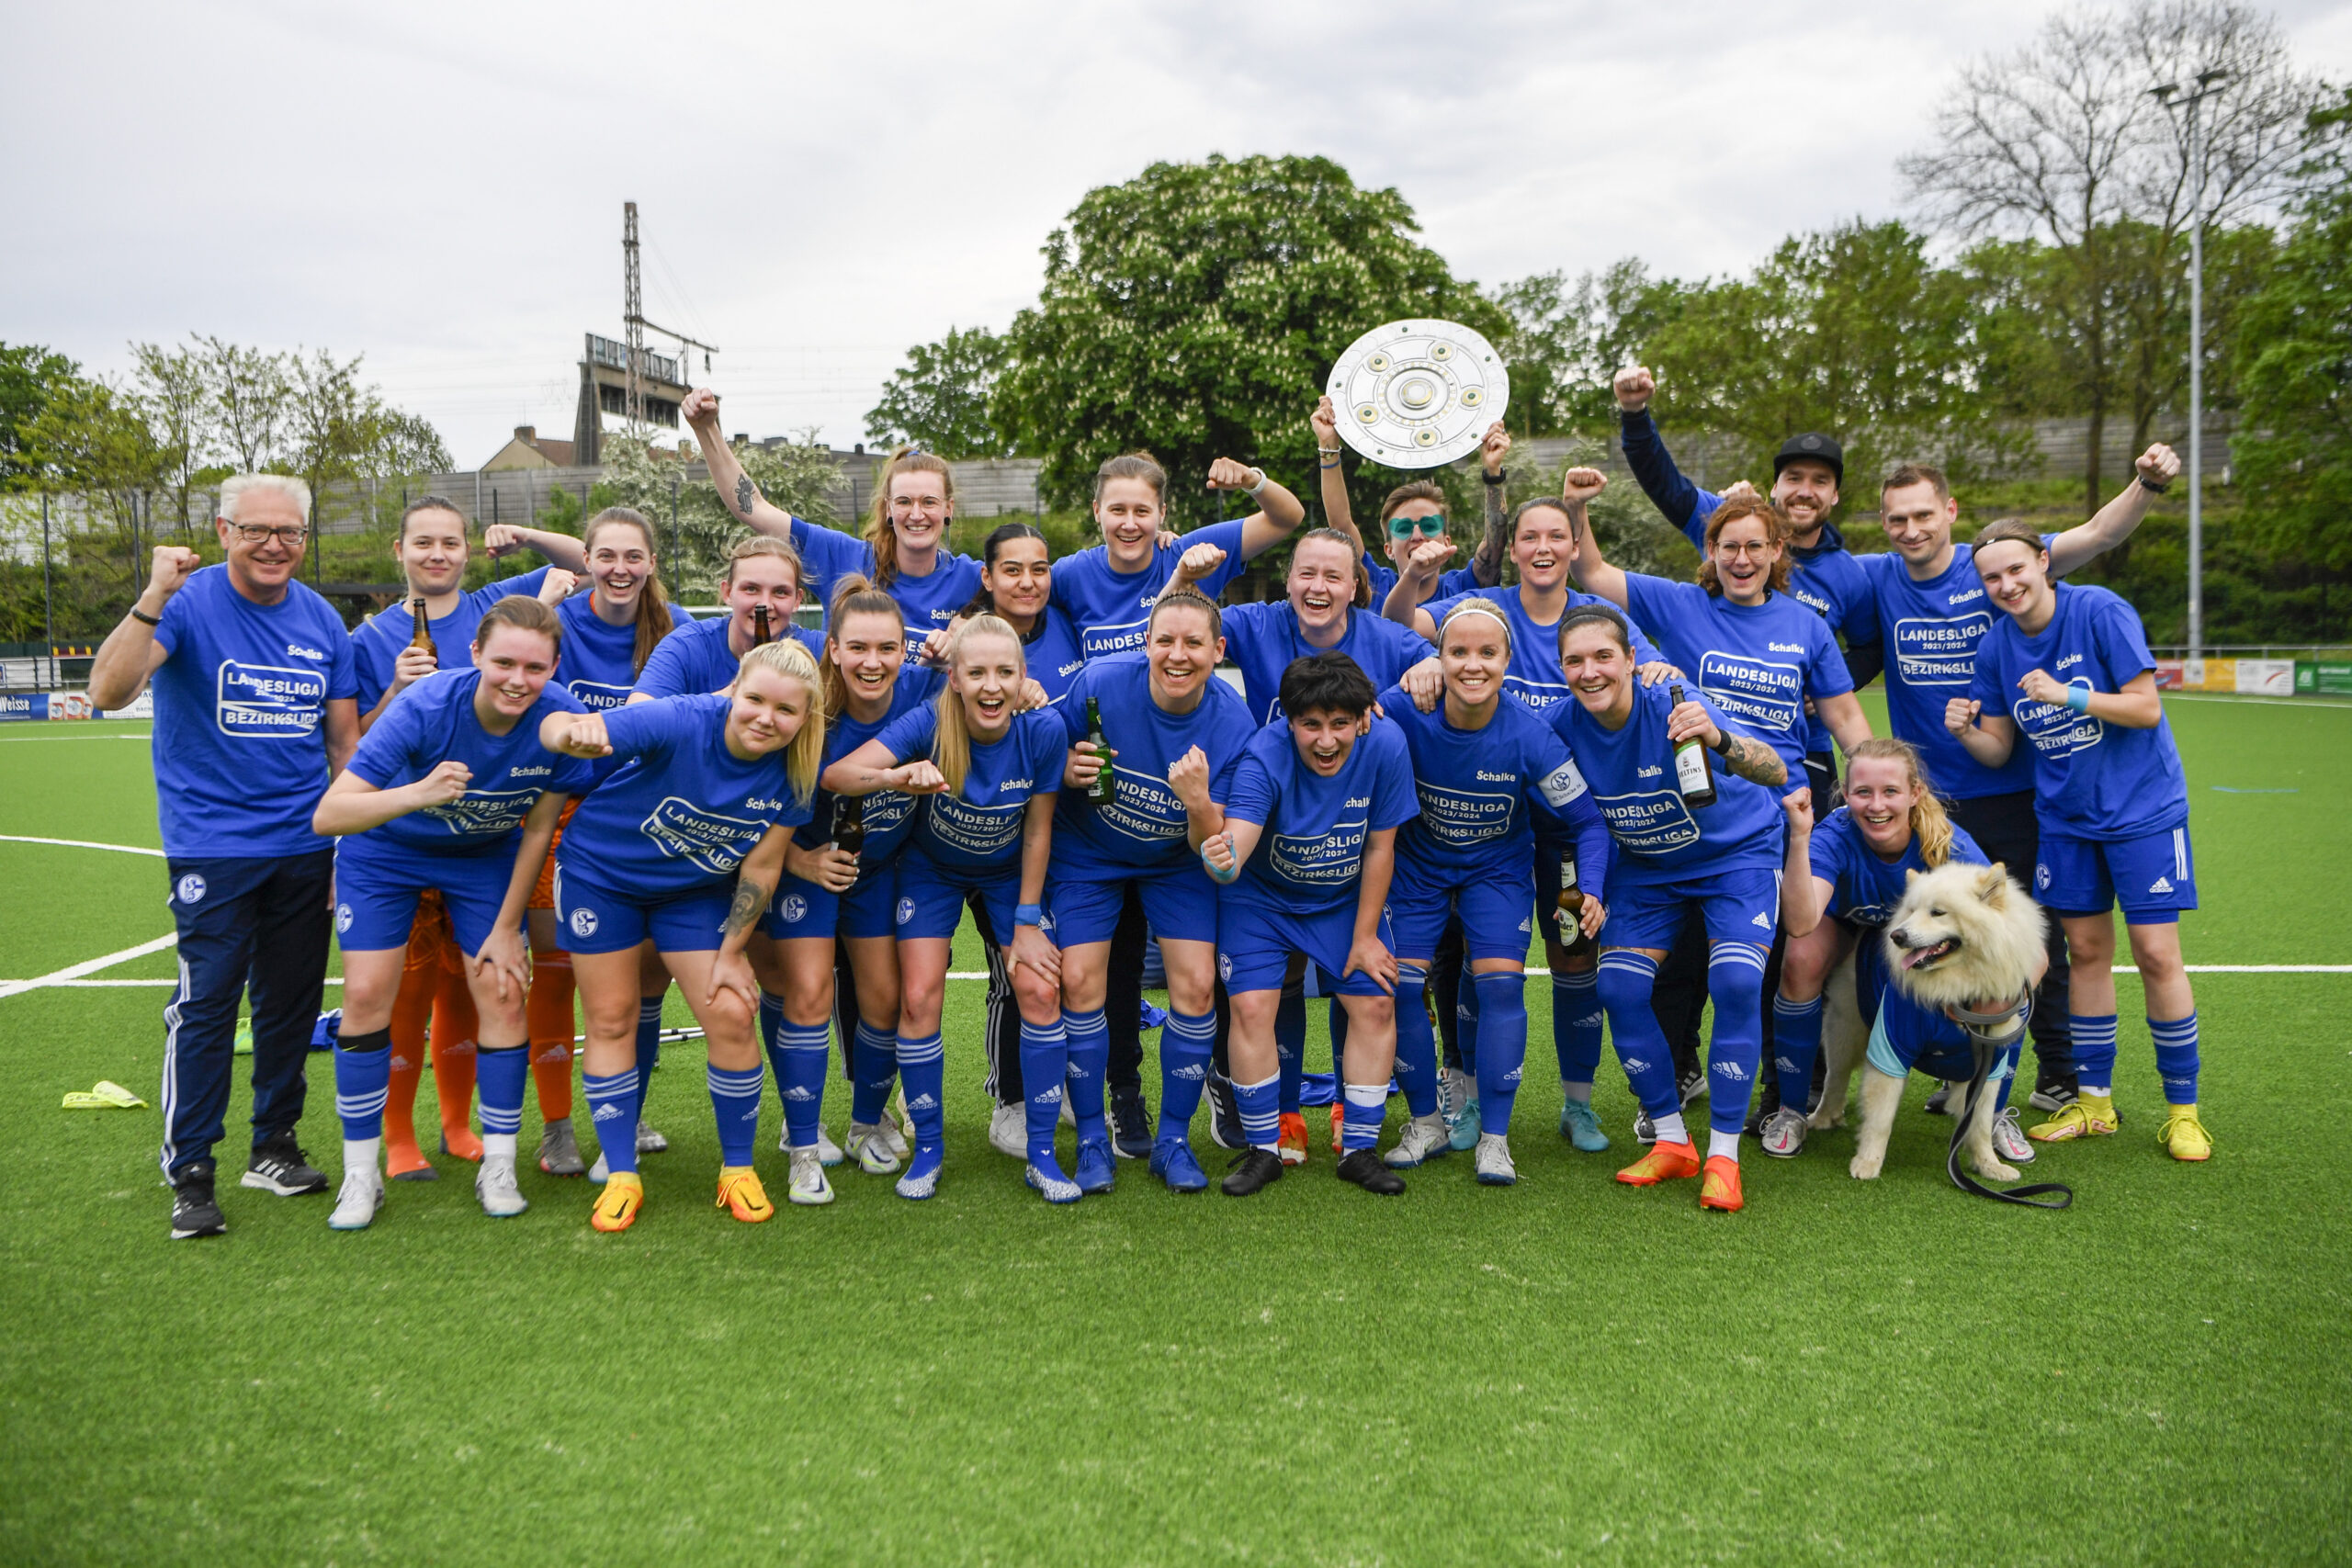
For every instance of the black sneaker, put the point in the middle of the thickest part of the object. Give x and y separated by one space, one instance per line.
1766 1101
1252 1168
1225 1114
1130 1122
2054 1094
1365 1169
1938 1103
194 1213
1693 1084
281 1167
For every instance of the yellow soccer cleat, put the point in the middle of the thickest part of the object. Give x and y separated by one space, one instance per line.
1720 1189
2184 1136
2085 1118
741 1194
618 1204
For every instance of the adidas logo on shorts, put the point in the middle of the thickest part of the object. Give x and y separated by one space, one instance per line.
2161 884
1762 921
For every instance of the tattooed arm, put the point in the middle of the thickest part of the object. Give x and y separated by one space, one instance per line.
736 490
756 882
1486 564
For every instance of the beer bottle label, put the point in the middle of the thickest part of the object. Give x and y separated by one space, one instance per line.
1690 768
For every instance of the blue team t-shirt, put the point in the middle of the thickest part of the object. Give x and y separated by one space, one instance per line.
1534 676
1477 790
2093 779
1756 665
433 722
1052 652
1631 772
694 659
1264 639
682 811
927 602
1383 578
887 815
1110 608
377 642
1932 630
1143 825
1865 889
597 662
1310 857
978 827
240 746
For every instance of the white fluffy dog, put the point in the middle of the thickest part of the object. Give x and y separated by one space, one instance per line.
1966 937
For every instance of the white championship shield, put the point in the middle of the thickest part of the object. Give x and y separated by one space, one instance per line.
1417 394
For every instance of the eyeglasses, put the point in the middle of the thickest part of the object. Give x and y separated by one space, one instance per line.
256 532
1429 527
1757 547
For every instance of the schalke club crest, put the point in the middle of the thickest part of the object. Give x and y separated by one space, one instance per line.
1417 394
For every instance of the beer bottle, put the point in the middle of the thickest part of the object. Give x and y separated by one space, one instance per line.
760 625
849 824
1572 935
1693 774
423 637
1104 789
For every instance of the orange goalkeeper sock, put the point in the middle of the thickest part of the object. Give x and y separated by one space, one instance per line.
548 1013
455 1029
411 1010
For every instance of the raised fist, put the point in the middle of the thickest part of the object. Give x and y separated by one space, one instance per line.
1635 385
700 407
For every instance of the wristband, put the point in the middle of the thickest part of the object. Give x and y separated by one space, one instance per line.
1328 451
2079 698
2152 486
1216 875
1722 747
144 618
1259 488
1498 477
1028 915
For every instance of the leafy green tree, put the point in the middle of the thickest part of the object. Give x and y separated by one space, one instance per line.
941 398
170 392
31 375
797 476
2295 456
1564 344
249 393
1852 331
1195 312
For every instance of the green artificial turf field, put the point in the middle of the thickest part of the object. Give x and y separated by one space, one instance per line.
1563 1370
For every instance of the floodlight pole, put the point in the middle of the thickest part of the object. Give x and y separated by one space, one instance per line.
2208 83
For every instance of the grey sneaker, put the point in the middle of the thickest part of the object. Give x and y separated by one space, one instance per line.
1009 1131
1424 1139
809 1184
1785 1133
2010 1140
559 1150
871 1146
1693 1084
649 1142
280 1166
501 1194
1494 1168
2055 1095
1939 1102
829 1153
1645 1130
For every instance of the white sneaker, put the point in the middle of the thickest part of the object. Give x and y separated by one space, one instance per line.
872 1149
2008 1141
899 1122
1424 1136
356 1206
1454 1091
1784 1132
1494 1168
809 1184
649 1142
600 1172
494 1184
829 1153
1008 1129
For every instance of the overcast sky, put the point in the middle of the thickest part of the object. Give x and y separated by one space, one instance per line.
440 184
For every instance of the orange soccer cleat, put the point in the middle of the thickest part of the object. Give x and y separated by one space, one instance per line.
1720 1191
1292 1142
1665 1162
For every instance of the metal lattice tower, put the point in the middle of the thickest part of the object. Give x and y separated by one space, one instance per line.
633 316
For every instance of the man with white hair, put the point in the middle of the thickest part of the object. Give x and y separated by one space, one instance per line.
256 708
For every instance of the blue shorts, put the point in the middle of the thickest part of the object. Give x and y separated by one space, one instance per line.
596 918
1254 945
864 910
1491 904
1741 904
930 896
376 892
2154 877
1179 900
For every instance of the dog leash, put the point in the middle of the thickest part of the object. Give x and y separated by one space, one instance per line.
1991 1034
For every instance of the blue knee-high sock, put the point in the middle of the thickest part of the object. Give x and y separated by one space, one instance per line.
1088 1037
771 1019
2176 1058
362 1079
648 1048
1625 980
1736 1048
1262 1111
735 1102
1466 1021
1367 1105
2094 1049
2007 1069
800 1054
500 1077
875 1053
1502 1046
1185 1041
1416 1041
922 1069
1044 1065
1290 1047
1576 1025
612 1106
1796 1041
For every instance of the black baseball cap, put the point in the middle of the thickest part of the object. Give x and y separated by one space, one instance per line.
1812 447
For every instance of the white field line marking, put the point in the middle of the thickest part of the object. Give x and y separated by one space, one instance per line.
70 737
2252 700
81 844
91 966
